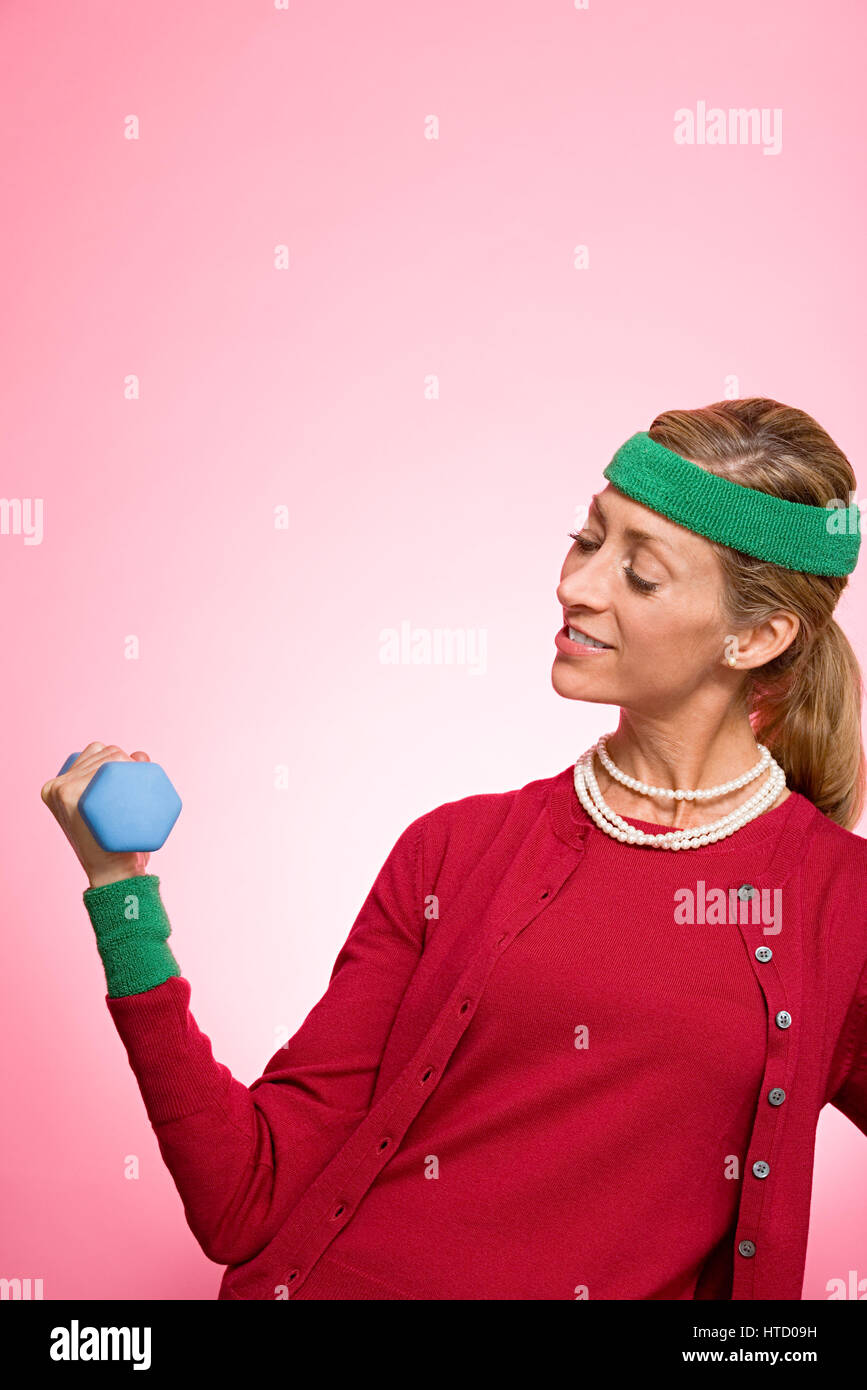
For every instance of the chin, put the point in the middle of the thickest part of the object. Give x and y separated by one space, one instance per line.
576 684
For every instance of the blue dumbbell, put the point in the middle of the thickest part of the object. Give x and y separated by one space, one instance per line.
128 805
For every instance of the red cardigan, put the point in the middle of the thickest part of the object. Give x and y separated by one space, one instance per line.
275 1177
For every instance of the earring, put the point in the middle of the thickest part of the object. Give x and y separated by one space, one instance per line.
732 660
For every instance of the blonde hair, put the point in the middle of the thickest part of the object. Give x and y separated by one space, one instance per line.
805 704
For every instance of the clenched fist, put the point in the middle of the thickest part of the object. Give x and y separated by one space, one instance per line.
61 795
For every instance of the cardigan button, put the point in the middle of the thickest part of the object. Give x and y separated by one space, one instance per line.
763 953
746 891
783 1019
761 1168
746 1248
777 1095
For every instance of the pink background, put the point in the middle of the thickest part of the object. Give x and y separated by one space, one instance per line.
713 270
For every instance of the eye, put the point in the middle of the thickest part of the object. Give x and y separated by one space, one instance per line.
645 586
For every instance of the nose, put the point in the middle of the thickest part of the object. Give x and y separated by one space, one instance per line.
584 582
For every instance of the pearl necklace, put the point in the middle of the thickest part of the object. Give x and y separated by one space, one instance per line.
690 837
702 794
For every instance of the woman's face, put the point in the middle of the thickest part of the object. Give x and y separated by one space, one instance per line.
652 591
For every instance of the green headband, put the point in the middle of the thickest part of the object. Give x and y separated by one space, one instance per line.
796 535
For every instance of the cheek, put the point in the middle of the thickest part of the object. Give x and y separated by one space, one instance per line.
685 638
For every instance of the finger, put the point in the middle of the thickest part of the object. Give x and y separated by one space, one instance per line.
85 768
89 750
140 757
84 759
108 752
90 757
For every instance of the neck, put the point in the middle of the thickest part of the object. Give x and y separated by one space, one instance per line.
689 753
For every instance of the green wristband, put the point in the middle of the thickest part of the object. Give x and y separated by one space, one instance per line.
131 934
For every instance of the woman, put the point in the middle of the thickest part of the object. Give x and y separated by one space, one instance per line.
555 1059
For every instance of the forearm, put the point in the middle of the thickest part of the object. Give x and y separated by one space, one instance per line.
241 1157
214 1139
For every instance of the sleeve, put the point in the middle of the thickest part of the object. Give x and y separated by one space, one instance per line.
240 1156
849 1067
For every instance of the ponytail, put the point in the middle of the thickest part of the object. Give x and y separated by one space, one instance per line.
810 719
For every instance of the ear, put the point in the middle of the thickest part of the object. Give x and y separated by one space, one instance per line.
758 645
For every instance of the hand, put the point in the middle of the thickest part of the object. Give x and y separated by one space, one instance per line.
62 794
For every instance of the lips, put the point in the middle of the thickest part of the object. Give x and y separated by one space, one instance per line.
578 650
575 628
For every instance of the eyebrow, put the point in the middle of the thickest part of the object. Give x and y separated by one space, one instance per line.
631 532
